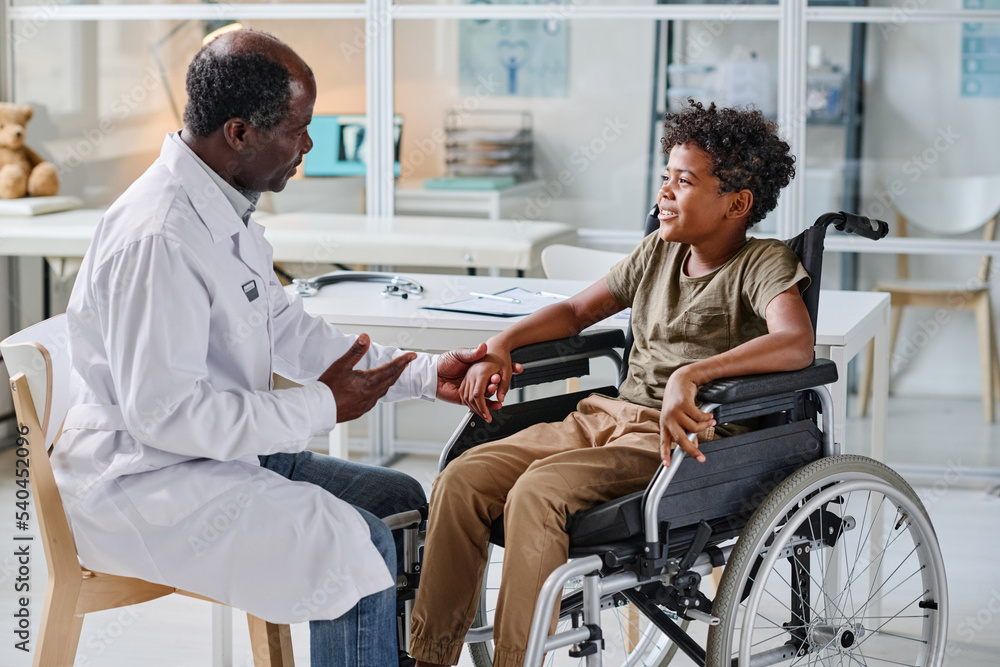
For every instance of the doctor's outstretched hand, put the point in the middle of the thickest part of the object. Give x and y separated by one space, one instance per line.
356 392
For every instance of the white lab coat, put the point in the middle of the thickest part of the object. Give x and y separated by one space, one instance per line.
172 403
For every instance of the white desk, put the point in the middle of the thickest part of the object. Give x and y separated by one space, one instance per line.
323 238
847 321
413 240
346 194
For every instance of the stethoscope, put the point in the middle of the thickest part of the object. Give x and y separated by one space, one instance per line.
396 285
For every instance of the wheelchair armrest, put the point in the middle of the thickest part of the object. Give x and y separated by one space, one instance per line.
751 387
555 350
566 357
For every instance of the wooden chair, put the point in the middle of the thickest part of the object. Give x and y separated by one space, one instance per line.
37 359
946 206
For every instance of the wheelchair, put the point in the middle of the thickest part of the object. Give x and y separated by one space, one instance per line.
829 559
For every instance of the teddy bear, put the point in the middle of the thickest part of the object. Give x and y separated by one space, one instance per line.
22 171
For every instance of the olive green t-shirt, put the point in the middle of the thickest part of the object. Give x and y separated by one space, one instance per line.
677 319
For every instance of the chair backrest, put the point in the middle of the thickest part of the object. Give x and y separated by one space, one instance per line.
950 205
37 359
946 206
41 352
570 262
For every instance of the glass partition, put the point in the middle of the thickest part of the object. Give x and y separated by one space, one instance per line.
911 106
106 92
905 131
49 3
583 90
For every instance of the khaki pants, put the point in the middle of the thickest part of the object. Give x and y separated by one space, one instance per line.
536 479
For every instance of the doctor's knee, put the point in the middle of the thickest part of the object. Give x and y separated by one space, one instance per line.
382 539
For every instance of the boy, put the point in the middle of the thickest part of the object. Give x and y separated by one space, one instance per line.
707 302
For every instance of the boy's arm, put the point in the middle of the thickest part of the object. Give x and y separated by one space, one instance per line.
787 346
566 318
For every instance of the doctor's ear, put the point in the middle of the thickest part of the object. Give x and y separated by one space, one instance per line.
235 131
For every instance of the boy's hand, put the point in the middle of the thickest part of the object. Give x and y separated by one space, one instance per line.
680 416
491 376
452 369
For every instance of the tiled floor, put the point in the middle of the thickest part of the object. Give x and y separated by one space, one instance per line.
942 447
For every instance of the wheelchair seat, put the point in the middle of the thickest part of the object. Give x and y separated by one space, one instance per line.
737 470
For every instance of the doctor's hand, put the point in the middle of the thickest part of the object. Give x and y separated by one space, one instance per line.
356 392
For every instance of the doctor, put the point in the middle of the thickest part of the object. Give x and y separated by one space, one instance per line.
178 462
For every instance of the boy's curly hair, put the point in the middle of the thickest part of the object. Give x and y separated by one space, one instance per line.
745 149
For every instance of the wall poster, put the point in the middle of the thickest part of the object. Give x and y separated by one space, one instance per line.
527 58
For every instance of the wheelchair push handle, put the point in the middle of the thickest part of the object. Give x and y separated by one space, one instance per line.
856 224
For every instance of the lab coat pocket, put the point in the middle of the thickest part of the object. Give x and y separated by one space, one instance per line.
703 334
245 319
167 496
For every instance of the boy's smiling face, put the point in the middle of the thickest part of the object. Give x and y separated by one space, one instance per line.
692 208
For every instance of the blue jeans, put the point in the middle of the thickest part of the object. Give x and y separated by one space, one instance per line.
366 635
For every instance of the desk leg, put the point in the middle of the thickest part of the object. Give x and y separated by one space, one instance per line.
222 636
381 435
839 392
880 389
338 442
387 451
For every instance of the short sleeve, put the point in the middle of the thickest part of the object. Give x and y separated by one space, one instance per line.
772 269
624 277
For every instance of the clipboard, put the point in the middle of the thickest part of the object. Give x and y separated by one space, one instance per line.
529 302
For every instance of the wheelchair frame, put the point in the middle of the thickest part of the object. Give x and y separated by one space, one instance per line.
776 530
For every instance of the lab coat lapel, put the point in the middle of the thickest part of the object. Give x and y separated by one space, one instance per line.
248 246
214 209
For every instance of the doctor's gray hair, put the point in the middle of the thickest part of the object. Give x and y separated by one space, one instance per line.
245 85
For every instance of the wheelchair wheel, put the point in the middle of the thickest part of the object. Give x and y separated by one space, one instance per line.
839 565
630 639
